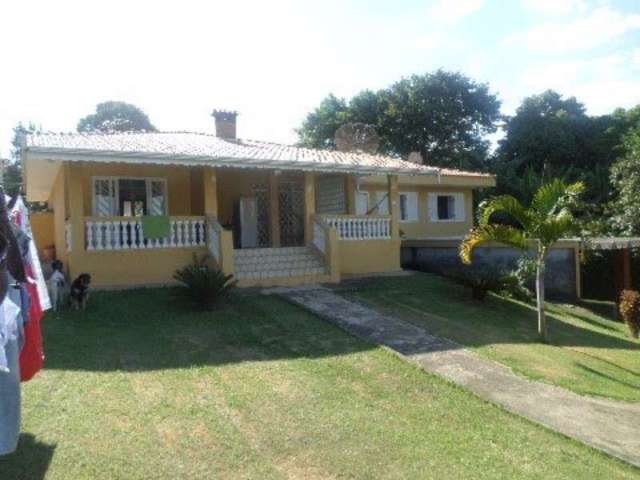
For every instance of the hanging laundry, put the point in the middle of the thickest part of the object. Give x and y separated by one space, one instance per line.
12 316
32 354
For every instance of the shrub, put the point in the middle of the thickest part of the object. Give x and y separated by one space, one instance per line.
630 310
517 283
481 279
203 285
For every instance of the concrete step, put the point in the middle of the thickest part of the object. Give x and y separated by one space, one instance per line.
273 263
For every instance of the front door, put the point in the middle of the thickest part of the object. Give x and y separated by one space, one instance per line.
291 213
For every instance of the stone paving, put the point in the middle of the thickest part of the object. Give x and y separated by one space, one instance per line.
609 425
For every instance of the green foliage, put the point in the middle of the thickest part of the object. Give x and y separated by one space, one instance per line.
116 117
443 115
630 310
12 176
552 137
202 285
480 279
625 177
548 218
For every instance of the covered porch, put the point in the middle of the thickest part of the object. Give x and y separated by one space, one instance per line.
265 226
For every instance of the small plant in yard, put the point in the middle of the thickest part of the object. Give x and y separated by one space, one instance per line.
630 310
480 279
203 285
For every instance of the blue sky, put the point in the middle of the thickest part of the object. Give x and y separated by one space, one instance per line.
274 61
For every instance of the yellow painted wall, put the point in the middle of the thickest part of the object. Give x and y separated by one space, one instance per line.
42 227
369 256
131 267
425 227
178 182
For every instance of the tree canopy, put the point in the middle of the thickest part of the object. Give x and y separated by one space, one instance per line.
443 115
550 136
116 117
625 176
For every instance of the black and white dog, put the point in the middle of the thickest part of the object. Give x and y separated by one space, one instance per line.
80 291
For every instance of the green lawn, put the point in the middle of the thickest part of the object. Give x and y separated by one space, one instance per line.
587 352
136 388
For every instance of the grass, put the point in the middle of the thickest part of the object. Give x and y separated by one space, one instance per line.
136 388
587 352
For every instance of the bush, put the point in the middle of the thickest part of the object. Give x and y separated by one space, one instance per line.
482 279
203 285
630 310
516 284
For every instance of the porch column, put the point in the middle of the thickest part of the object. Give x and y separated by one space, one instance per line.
309 205
75 194
210 192
274 209
351 194
394 205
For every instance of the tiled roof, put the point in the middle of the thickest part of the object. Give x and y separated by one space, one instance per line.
197 148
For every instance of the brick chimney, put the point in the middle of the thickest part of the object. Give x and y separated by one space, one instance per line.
225 123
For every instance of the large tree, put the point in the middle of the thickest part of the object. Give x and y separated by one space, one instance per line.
625 177
550 136
443 115
116 117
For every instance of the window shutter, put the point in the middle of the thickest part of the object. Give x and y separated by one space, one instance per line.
157 203
432 207
412 206
104 201
459 207
382 200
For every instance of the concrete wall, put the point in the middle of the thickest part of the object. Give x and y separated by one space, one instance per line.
369 256
561 278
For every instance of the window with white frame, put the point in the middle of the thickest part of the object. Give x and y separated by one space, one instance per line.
408 206
446 207
129 197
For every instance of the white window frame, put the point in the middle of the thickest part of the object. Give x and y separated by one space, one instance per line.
116 180
410 218
432 207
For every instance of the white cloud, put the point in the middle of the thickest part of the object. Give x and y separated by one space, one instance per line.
602 83
454 11
594 29
555 7
635 57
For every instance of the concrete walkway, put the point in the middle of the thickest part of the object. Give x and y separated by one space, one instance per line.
611 426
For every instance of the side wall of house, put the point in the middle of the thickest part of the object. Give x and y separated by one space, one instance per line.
58 202
424 226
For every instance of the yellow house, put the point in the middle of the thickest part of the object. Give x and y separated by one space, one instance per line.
269 214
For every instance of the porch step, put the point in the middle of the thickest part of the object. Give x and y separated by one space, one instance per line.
272 263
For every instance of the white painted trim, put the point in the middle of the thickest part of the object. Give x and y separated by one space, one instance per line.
116 179
458 196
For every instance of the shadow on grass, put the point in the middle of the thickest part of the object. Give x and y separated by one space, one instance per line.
445 308
147 329
30 461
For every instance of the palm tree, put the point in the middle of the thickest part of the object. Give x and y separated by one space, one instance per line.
547 219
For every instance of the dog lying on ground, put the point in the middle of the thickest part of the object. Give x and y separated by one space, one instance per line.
57 284
79 292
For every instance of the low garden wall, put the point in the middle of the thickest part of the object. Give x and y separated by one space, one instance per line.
441 256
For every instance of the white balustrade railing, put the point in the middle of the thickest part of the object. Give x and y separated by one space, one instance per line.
126 233
360 227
